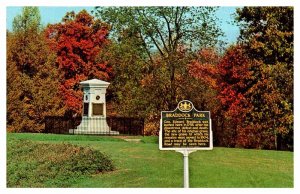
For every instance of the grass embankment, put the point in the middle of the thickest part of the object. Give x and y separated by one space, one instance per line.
34 164
144 165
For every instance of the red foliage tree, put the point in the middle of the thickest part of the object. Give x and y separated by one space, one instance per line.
251 103
77 41
230 77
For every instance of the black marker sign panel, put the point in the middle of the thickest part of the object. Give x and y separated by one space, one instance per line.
185 128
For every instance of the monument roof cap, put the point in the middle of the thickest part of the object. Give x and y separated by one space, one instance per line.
94 82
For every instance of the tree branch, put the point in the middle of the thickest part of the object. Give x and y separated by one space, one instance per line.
145 46
169 29
157 46
158 31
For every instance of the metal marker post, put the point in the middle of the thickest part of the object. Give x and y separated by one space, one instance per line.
185 154
186 169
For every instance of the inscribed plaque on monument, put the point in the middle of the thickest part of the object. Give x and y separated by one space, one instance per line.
97 109
185 128
85 109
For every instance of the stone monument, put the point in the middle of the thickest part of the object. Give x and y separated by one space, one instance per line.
94 109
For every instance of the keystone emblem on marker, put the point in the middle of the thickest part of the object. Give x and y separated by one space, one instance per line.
185 106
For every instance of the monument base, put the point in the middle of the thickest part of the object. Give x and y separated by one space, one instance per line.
95 126
93 132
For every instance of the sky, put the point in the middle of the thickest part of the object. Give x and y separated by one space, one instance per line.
51 14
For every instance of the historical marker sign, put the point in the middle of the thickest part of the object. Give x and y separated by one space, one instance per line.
185 128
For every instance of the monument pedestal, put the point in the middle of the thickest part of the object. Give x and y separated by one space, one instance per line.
97 126
94 109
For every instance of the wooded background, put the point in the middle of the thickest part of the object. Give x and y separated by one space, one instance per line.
155 57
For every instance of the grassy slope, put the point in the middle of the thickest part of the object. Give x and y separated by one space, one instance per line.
144 165
52 164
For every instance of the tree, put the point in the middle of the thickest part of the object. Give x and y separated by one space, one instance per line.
254 80
156 43
29 20
267 33
125 94
32 79
164 33
25 27
77 41
231 78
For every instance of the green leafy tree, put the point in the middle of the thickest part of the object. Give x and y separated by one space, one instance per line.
32 79
152 46
125 94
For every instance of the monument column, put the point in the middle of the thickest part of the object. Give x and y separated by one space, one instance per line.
94 109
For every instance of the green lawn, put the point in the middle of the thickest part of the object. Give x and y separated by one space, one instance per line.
142 164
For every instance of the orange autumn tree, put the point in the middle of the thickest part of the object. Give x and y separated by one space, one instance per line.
77 41
32 78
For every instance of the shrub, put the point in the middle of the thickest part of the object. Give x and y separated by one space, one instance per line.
31 164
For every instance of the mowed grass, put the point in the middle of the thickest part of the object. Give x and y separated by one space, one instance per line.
143 165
